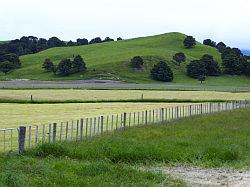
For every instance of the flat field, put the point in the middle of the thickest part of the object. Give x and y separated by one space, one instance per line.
14 115
109 95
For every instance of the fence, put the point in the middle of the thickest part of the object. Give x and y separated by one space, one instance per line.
19 139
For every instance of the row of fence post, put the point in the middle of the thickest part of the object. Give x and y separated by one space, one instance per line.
96 126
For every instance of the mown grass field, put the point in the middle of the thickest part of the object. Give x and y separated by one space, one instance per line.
109 95
111 61
14 115
217 140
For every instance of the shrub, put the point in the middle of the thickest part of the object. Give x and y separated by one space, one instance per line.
189 42
179 57
137 62
162 72
209 42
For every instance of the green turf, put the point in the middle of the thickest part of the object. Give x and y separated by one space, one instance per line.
217 140
111 61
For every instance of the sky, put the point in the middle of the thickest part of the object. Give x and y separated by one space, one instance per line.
220 20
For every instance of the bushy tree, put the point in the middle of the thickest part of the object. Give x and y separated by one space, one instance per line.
78 64
179 58
189 42
209 42
96 40
162 72
65 67
108 39
11 58
48 65
196 69
211 66
246 67
137 62
6 67
55 42
221 47
232 64
83 41
119 39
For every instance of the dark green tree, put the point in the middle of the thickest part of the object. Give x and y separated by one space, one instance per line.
119 39
162 72
221 47
48 65
83 41
137 62
189 42
179 58
232 64
211 66
78 64
12 58
6 67
64 68
196 69
209 42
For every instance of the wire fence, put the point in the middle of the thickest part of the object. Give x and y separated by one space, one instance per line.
85 129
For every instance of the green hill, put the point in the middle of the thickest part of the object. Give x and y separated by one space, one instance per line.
111 60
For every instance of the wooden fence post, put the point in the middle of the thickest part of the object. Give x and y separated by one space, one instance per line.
146 117
162 115
124 120
101 125
54 132
21 139
81 130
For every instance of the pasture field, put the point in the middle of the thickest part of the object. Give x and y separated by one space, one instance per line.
217 140
109 95
14 115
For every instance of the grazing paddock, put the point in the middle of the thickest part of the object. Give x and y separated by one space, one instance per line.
14 115
108 95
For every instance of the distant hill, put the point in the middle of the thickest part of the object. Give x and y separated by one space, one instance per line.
111 60
246 52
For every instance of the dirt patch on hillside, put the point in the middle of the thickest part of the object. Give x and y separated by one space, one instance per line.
195 176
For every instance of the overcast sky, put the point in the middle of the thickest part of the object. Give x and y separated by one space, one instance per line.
221 20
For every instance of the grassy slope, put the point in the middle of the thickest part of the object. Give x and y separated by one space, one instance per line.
218 140
111 60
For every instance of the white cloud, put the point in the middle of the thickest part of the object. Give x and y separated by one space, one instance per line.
226 20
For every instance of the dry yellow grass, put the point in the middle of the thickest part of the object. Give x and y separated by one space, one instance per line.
89 95
13 115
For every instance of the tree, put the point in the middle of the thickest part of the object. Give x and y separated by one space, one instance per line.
48 65
64 67
83 41
221 46
78 64
179 57
196 69
162 72
137 62
55 42
232 65
209 42
12 58
6 66
70 43
189 42
246 66
211 66
96 40
119 39
108 39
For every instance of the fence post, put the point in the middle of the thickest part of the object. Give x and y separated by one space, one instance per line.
101 125
21 139
162 115
124 120
81 130
146 117
54 132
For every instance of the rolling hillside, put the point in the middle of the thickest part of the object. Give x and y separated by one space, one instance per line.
111 61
